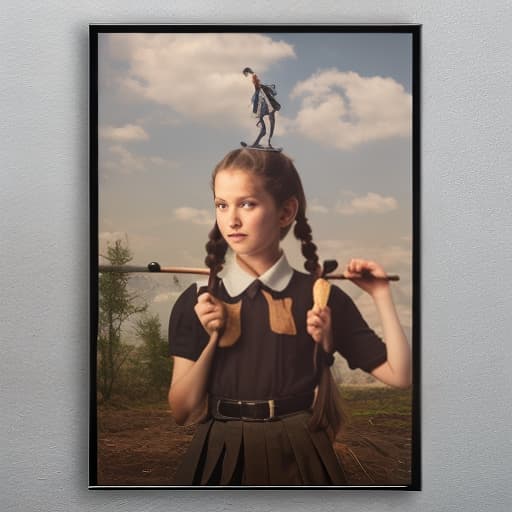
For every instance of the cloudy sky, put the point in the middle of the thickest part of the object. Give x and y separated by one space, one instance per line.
171 105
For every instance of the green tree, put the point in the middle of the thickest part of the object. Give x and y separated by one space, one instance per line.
154 356
116 306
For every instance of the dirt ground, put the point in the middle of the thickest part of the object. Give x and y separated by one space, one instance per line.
143 447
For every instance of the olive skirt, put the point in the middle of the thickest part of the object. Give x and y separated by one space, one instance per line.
282 452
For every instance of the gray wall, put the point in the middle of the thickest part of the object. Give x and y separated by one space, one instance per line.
466 232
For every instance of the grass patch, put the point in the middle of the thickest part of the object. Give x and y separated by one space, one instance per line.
377 401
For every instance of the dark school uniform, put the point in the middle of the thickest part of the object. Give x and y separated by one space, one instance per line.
265 365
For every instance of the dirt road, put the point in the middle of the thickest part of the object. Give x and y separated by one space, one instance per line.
143 446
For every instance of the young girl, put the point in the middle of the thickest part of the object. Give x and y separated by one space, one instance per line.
256 351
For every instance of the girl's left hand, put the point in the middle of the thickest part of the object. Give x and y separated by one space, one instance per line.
319 326
358 267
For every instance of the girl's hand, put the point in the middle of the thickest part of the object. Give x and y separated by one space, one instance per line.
319 326
358 267
211 313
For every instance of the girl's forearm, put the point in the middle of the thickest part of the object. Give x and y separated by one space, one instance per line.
189 391
397 346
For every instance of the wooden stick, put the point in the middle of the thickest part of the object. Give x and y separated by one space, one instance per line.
366 276
184 270
156 268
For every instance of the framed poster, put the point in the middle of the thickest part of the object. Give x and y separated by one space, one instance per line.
312 135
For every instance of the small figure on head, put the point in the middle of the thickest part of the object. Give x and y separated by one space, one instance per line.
263 104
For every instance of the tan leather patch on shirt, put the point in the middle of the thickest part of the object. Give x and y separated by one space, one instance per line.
280 314
233 330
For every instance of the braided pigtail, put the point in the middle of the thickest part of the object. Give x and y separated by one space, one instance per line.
302 231
216 248
327 410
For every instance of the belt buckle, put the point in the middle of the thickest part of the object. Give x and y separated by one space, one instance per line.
271 410
219 414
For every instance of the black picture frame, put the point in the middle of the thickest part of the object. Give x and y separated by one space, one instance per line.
97 31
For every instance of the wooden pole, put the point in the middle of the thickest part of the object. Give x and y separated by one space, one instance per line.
155 267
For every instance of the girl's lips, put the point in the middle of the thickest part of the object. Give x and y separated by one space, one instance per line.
236 237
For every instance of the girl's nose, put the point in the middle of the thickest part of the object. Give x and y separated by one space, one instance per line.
234 221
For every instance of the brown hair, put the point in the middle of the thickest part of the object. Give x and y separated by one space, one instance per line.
282 181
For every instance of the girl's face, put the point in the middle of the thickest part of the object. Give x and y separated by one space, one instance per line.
248 217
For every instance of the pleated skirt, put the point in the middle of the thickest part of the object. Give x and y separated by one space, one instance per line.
282 453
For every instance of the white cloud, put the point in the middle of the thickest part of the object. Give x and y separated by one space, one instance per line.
314 206
344 109
370 203
124 133
330 245
194 215
125 161
318 208
160 118
396 255
198 75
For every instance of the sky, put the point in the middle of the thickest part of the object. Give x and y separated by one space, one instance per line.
172 105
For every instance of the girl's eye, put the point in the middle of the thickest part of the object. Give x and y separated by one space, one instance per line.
221 206
247 204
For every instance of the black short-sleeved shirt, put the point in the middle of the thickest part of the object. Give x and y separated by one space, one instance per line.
262 364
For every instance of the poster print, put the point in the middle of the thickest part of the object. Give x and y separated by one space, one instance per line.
335 106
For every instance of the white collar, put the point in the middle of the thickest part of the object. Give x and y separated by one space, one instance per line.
236 279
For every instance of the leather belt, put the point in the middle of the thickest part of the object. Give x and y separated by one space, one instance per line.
259 410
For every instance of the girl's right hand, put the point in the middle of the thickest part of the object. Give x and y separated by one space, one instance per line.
319 327
211 313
